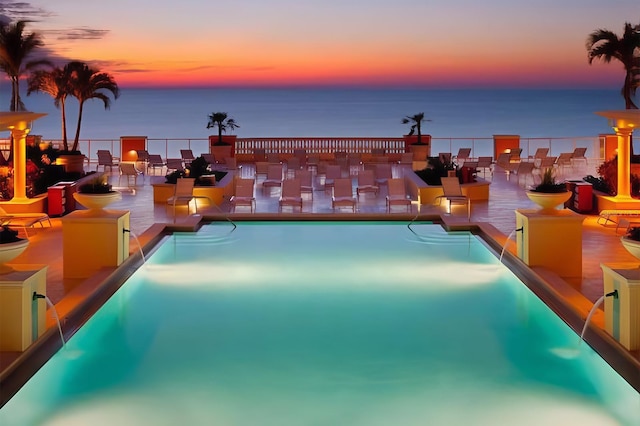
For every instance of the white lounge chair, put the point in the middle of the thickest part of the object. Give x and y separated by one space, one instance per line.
397 195
243 194
291 194
452 192
343 194
23 220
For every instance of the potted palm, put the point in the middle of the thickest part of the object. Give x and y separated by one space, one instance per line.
548 194
96 193
414 141
631 241
10 247
222 146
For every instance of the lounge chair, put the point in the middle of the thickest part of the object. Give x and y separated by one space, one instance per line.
291 194
23 220
105 159
484 164
130 171
259 155
174 164
383 173
183 195
397 195
452 192
274 177
462 155
155 161
306 181
343 194
187 156
243 194
524 170
332 172
366 183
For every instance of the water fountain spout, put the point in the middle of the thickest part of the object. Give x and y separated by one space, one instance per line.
135 237
37 296
595 306
512 233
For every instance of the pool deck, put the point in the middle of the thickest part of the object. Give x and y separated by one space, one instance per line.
495 217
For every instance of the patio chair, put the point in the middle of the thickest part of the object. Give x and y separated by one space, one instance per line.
564 161
462 155
105 159
293 164
452 192
306 181
524 170
174 164
291 194
143 158
187 156
383 173
484 164
343 194
332 172
274 177
504 162
155 161
578 157
445 157
262 167
366 183
183 195
209 158
130 171
23 220
243 194
397 194
541 153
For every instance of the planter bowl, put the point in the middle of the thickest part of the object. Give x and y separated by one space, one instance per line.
97 201
9 251
548 201
632 246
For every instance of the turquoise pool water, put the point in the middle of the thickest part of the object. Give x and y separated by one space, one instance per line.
324 324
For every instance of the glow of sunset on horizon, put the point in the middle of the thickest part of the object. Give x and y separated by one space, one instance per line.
450 43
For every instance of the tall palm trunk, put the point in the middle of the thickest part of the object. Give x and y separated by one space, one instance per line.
76 139
65 142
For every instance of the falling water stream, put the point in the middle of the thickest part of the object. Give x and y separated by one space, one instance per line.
506 243
593 311
135 237
54 311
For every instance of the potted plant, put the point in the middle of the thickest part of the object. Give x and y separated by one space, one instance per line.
96 193
222 147
436 169
421 150
548 193
631 241
10 247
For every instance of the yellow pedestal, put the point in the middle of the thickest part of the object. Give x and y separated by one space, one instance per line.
622 314
92 241
22 319
551 240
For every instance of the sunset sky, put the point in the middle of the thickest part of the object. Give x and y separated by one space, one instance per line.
452 43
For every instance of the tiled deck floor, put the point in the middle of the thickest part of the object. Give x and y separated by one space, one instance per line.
600 244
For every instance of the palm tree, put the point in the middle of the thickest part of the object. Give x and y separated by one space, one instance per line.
416 125
54 82
220 120
606 45
15 47
88 83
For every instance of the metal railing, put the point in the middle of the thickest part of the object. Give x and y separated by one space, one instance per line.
170 147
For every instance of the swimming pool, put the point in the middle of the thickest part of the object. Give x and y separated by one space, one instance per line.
324 323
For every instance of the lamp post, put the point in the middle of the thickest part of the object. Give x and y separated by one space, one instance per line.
19 123
623 122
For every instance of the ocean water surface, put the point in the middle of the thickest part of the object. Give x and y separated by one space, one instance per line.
339 112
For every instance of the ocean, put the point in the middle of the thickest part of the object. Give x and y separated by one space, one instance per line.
348 112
